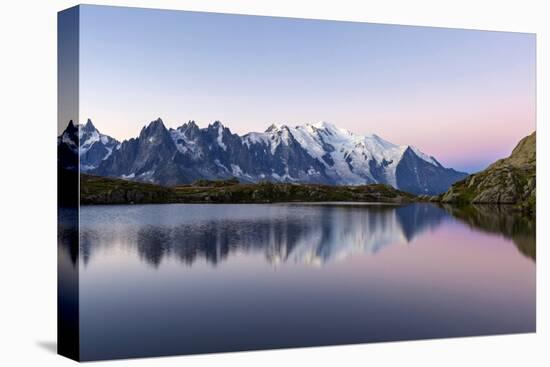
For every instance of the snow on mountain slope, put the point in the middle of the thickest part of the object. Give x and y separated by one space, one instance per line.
89 146
310 153
94 147
348 157
89 135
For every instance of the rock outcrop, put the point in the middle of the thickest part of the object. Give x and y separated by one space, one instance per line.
507 181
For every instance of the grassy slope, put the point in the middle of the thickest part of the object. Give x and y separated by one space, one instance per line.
270 192
103 190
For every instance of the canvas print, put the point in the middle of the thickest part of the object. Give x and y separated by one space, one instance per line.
237 182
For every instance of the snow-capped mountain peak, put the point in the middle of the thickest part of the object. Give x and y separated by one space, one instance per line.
69 137
94 147
87 127
218 127
309 153
347 156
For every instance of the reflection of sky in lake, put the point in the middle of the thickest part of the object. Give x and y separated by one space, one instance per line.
199 278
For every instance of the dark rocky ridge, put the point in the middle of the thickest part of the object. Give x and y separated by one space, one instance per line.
67 148
431 177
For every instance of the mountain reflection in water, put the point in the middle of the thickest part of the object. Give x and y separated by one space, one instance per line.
300 233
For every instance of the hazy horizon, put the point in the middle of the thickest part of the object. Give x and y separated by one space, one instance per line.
464 96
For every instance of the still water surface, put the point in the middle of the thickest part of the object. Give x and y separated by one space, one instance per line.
175 279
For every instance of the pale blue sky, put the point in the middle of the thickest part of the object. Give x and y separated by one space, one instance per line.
465 97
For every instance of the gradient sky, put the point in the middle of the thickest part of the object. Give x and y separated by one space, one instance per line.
465 97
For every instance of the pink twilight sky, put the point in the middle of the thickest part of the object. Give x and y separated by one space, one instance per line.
466 97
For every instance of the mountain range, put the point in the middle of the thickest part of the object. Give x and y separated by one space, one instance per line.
311 153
